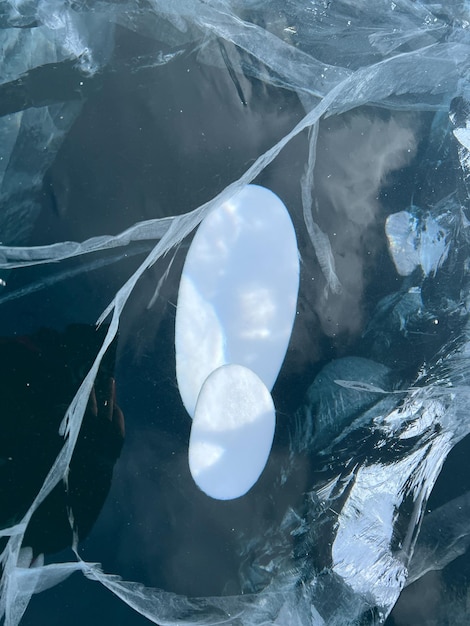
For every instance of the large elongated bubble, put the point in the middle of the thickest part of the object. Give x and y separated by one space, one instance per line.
238 292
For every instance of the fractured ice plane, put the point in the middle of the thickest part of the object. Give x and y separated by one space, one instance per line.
48 57
444 536
413 245
356 116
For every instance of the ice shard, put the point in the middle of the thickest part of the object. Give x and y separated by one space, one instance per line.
124 125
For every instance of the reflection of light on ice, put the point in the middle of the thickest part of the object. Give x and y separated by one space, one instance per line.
463 136
203 455
258 308
201 346
414 243
361 549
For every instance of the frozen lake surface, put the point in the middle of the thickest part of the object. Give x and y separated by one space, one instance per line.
123 126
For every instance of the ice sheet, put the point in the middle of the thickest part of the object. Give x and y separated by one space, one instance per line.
40 43
343 554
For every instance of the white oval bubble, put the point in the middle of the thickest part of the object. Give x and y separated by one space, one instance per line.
232 432
238 292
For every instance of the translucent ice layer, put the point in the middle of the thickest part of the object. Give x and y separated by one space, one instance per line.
357 116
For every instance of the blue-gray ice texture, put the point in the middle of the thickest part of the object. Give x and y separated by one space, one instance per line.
365 510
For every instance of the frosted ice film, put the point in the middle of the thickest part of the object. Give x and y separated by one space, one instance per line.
354 114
